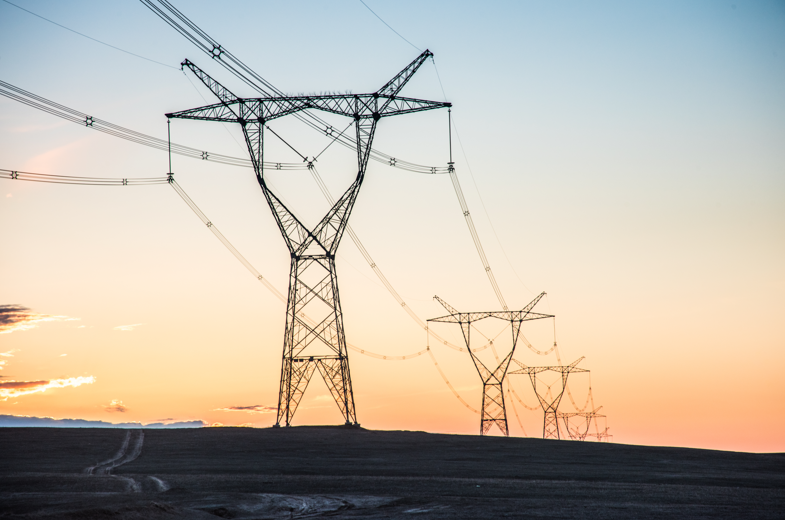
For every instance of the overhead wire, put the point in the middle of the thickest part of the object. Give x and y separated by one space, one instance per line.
389 26
45 105
205 220
515 410
375 268
188 29
82 181
471 174
444 377
89 37
103 181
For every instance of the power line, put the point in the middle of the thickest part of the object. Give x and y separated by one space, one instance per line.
88 37
82 181
389 26
192 32
69 114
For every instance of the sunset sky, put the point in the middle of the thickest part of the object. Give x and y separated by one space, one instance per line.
626 158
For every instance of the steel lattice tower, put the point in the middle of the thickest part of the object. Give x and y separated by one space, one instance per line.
550 427
319 343
575 433
493 409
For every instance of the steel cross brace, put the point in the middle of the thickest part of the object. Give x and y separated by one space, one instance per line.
550 428
493 408
313 284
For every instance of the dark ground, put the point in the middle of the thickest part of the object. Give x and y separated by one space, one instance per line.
305 471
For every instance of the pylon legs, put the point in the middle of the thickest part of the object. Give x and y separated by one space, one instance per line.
314 338
493 410
550 429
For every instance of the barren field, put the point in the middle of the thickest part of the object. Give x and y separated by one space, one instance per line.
244 473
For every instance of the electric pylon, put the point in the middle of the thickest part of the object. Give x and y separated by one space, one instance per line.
493 410
549 401
313 286
575 433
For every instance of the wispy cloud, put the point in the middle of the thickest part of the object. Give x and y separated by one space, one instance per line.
127 328
116 406
4 361
256 408
18 317
17 388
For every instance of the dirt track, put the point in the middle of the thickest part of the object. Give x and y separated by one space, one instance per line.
349 473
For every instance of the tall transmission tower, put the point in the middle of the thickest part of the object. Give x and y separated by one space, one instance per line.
493 410
549 401
313 284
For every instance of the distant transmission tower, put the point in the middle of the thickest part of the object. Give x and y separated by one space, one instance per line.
550 400
575 432
493 410
313 285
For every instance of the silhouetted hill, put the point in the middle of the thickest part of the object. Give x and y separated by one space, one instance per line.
357 473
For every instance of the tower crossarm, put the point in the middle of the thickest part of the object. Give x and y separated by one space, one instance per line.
221 112
357 106
585 415
221 92
524 314
562 369
392 87
467 317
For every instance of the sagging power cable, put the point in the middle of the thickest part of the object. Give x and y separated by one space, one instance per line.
89 37
199 213
45 105
188 29
378 272
82 181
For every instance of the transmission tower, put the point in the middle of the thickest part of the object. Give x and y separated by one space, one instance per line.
575 432
493 410
313 285
549 401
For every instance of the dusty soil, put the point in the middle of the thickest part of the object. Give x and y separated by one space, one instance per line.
300 472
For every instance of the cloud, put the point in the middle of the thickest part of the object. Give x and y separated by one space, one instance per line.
6 354
17 388
17 317
256 408
127 328
116 406
63 355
